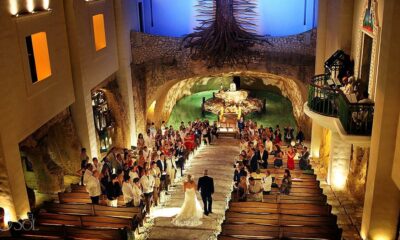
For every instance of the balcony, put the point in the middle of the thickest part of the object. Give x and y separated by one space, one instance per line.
326 98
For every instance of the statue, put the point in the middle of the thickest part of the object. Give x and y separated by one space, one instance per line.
232 87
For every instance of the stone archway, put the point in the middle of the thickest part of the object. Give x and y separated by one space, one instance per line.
171 92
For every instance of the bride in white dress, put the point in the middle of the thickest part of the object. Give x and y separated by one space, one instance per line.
191 211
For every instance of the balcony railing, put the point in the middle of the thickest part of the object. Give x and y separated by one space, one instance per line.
356 118
322 98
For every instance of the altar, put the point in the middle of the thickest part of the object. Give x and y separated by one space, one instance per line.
232 105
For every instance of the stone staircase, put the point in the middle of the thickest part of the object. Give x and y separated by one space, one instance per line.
218 158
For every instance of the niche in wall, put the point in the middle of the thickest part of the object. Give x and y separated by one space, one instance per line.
365 61
103 120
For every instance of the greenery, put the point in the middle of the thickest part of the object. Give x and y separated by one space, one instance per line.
278 110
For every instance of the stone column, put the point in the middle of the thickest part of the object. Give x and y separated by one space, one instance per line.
124 16
316 135
339 162
382 197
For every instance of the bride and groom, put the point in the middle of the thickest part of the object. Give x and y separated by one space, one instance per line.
191 211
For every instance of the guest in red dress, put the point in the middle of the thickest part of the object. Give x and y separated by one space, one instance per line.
290 158
189 141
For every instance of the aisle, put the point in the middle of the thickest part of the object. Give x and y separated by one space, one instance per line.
218 159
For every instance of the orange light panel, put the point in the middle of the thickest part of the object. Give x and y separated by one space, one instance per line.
41 54
99 32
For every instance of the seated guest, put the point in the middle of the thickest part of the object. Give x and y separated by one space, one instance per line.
127 191
257 175
137 193
93 187
286 183
255 190
239 172
242 189
304 159
253 160
113 191
267 182
365 98
278 162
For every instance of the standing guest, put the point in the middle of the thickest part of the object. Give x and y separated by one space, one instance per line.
241 124
140 142
147 181
179 154
286 183
162 165
255 190
137 193
263 156
88 172
127 191
290 158
300 137
253 160
304 159
93 187
153 130
171 169
242 189
84 161
113 191
269 145
155 171
267 183
97 166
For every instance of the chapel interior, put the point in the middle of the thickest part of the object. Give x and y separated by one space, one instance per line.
95 95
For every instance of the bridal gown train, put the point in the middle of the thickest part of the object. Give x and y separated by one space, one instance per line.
191 211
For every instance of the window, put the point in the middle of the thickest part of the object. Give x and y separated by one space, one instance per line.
99 32
38 54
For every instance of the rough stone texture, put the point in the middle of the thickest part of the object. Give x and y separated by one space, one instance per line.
322 163
356 179
54 151
120 136
220 156
289 88
160 62
340 161
5 191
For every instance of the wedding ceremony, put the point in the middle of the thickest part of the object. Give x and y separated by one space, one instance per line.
200 119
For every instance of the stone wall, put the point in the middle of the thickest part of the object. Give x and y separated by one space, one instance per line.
321 164
121 135
158 63
358 173
6 200
54 151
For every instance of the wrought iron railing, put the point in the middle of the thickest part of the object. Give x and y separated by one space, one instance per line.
322 98
356 118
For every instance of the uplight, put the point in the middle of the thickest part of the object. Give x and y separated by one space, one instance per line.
46 4
30 6
13 7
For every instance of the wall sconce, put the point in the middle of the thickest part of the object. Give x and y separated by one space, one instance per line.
29 8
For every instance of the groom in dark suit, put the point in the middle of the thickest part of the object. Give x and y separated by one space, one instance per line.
206 188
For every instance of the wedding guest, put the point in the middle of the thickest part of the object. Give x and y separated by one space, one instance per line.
267 183
147 181
304 161
300 137
290 158
127 191
286 183
93 187
113 191
137 193
255 190
242 189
